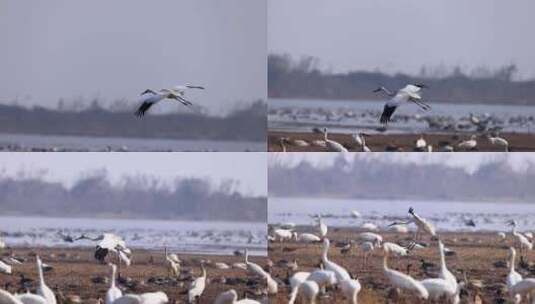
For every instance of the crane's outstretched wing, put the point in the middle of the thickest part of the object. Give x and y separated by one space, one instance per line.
387 113
144 107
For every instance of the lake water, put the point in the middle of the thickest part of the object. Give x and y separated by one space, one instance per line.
446 216
346 115
87 143
180 236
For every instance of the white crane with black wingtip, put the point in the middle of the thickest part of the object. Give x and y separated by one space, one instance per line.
410 93
150 97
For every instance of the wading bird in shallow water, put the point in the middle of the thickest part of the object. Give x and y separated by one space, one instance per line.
150 97
411 92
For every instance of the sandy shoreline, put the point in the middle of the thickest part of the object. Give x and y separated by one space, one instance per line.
75 272
479 254
518 142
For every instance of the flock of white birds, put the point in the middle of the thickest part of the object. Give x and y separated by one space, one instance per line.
411 93
444 288
111 243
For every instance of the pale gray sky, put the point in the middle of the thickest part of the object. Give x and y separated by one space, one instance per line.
249 169
469 161
403 35
113 49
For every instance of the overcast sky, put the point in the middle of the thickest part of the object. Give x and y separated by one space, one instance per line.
403 35
114 49
249 169
469 161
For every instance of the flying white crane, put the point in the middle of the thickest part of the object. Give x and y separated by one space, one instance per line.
340 272
113 292
197 286
351 289
109 242
468 144
332 145
422 224
42 289
411 92
150 98
513 276
403 281
231 297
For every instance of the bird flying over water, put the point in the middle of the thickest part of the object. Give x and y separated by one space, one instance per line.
411 92
150 97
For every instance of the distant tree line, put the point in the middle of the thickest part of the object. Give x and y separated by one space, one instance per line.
290 78
243 124
137 197
372 178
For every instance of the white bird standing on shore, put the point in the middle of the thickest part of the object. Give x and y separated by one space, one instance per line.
42 289
197 286
522 240
113 292
340 272
513 276
411 92
173 263
332 145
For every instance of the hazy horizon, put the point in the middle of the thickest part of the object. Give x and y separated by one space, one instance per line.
69 168
403 36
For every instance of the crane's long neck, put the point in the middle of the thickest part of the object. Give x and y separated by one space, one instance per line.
512 262
442 257
324 253
113 271
40 271
283 147
385 261
203 271
246 256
